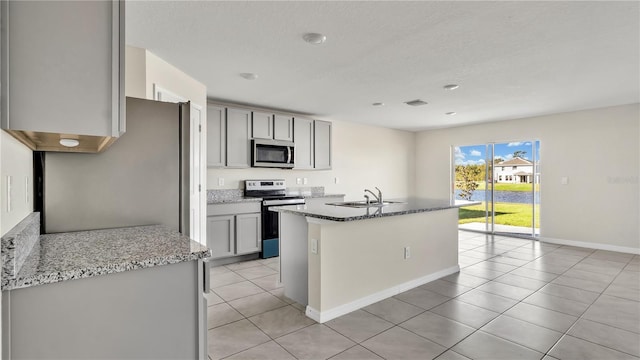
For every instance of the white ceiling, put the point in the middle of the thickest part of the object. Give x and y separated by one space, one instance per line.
511 59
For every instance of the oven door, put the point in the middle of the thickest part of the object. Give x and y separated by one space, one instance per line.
270 234
274 154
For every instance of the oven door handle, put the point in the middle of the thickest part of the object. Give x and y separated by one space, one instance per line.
282 202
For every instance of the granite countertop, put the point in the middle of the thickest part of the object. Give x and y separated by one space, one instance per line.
314 196
233 200
240 199
343 213
83 254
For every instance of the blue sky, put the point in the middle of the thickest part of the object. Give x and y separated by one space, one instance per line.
476 154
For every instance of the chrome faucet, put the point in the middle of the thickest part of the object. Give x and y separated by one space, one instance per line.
378 197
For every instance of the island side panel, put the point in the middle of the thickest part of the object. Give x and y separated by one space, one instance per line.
92 318
363 261
293 256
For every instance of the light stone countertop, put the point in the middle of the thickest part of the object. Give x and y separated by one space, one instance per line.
343 213
83 254
234 200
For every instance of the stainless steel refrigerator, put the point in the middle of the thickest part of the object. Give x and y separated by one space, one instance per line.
141 179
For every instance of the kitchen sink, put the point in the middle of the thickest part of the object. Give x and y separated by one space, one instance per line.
363 204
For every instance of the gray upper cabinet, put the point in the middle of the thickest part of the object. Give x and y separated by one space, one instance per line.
322 145
303 138
262 126
283 127
238 138
63 72
216 136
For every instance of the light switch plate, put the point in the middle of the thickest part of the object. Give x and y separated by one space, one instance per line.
314 246
564 180
305 181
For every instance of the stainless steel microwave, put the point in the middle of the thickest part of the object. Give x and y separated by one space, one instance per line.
272 153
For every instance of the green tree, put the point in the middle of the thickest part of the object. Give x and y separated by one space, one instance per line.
519 153
467 177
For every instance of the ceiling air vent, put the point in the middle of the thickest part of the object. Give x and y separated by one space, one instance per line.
416 102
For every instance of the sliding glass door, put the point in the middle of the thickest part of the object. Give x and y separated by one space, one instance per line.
505 179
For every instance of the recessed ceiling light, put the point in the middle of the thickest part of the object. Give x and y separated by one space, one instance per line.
314 38
450 113
416 102
378 104
451 86
69 142
249 76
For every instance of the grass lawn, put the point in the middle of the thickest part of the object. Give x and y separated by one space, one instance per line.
508 187
505 214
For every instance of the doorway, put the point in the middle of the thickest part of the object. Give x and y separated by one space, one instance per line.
505 179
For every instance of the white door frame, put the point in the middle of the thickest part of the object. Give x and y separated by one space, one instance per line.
198 200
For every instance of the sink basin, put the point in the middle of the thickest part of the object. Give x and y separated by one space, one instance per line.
363 204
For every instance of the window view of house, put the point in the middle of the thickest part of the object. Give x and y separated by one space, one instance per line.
505 179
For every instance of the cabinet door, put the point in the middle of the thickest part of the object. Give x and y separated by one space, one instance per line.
238 138
262 126
303 138
248 233
68 57
221 236
216 136
322 142
283 127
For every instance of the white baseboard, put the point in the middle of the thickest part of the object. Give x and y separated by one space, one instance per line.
590 245
338 311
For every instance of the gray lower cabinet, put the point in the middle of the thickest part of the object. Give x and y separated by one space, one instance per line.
223 233
216 136
151 313
248 233
303 138
322 145
238 141
234 229
68 57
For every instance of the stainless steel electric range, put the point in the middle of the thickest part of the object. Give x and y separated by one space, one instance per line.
273 193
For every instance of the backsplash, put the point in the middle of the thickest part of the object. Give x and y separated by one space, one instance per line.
231 194
306 191
16 245
222 195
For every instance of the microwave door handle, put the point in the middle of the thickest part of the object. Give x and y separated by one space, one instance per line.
289 154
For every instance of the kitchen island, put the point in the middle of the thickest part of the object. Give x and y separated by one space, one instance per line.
134 292
336 259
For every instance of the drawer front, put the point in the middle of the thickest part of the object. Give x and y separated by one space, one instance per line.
233 208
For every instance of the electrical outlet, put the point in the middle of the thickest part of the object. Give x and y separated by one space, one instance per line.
305 181
564 180
299 181
407 252
314 246
220 181
336 180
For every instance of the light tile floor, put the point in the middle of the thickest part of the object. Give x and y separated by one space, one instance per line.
513 299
